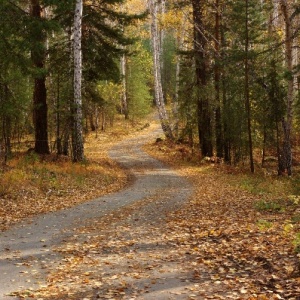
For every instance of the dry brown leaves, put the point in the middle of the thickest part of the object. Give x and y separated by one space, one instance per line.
219 246
234 250
31 185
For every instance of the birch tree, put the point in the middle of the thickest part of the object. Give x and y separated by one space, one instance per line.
77 135
124 104
123 64
154 6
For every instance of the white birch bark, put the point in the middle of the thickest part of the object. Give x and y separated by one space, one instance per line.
77 137
124 104
123 65
156 49
162 33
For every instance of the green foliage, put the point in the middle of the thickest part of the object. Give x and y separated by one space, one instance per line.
110 92
264 224
187 98
30 159
295 185
139 67
253 185
104 40
295 199
270 206
169 66
239 12
296 218
296 243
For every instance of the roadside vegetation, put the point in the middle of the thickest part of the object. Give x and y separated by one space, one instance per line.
242 229
31 184
236 238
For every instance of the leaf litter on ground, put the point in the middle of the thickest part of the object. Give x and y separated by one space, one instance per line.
219 245
32 184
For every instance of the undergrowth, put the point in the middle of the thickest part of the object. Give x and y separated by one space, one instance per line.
31 184
277 198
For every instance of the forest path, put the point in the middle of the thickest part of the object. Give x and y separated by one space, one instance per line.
27 250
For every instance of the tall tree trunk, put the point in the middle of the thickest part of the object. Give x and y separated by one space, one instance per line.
203 107
58 138
40 109
218 117
123 67
103 120
175 104
285 156
225 100
162 33
77 134
156 48
7 125
247 92
97 120
124 104
180 46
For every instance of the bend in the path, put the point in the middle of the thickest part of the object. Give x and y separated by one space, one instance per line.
26 249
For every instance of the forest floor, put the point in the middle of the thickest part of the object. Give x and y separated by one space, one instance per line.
235 237
32 185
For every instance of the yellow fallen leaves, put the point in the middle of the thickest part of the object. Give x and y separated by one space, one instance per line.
213 246
52 184
227 241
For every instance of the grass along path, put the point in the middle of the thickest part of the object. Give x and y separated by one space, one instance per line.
235 239
77 267
32 185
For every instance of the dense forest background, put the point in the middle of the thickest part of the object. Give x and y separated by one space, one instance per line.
224 75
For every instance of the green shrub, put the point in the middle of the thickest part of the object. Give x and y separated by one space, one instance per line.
264 224
296 243
271 206
296 218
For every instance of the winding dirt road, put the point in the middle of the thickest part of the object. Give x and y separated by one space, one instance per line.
26 250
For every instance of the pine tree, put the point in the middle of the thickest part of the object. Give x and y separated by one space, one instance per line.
201 67
38 56
246 20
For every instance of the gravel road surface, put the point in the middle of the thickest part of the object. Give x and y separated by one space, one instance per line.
26 249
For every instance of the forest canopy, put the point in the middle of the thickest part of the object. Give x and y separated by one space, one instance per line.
224 75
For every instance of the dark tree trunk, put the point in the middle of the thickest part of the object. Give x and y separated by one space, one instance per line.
264 146
7 124
226 104
227 144
65 144
203 107
285 155
247 93
40 110
58 138
40 113
218 116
